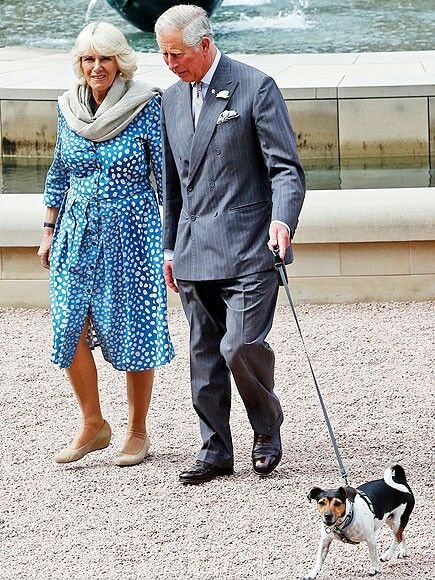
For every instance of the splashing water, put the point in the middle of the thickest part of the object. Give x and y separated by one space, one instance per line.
226 3
268 26
295 20
258 16
301 4
91 6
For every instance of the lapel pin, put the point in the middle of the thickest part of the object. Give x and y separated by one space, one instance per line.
223 95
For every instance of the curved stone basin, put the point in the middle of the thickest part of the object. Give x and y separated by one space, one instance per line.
144 13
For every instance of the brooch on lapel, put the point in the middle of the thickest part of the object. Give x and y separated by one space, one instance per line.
221 94
227 116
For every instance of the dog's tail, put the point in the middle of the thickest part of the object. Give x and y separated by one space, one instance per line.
395 477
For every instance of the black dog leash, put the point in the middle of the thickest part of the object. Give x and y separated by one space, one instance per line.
280 267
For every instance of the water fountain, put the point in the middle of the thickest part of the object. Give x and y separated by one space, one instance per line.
144 13
364 121
240 26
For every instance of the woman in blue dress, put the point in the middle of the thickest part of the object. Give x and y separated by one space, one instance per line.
102 238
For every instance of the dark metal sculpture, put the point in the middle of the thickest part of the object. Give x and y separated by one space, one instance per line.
144 13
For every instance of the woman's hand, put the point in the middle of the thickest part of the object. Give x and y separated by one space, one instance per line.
45 248
47 236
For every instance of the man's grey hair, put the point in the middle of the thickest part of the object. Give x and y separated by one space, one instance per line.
191 20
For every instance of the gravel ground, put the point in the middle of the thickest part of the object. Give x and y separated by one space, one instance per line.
93 520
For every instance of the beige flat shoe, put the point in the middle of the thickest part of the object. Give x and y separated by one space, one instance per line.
124 459
100 441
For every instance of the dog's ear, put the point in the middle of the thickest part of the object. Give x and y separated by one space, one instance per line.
314 493
350 492
341 494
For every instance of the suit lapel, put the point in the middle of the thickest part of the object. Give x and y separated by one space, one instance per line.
210 112
185 120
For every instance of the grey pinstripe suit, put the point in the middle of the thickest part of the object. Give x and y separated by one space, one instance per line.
223 185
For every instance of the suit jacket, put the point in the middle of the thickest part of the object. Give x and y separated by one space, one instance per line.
225 181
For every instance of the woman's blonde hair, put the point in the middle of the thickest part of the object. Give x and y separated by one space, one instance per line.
106 40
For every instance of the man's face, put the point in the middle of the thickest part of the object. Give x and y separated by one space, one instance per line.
190 63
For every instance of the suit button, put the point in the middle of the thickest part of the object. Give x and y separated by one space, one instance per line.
193 217
211 183
218 151
189 188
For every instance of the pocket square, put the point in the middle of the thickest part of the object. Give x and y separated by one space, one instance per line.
227 116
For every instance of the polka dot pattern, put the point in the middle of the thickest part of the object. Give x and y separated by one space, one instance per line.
106 259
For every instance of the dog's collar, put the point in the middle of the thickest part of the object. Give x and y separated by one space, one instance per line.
338 529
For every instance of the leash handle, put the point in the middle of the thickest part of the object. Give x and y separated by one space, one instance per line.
280 267
279 264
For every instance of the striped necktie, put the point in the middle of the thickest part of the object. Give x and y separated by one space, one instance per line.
197 102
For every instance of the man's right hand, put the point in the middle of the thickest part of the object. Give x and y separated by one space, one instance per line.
167 273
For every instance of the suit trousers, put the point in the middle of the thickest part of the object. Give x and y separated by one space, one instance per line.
229 321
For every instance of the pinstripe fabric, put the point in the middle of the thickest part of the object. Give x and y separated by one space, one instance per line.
236 316
224 182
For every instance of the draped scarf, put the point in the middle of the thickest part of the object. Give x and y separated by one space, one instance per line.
124 100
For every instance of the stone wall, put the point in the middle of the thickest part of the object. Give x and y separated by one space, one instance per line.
350 246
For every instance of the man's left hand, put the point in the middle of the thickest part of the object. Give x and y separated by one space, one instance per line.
278 236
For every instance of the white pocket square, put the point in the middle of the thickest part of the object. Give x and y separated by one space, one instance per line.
227 116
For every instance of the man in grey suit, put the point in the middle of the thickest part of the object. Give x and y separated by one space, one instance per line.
233 190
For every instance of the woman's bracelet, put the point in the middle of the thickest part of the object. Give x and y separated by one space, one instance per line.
49 225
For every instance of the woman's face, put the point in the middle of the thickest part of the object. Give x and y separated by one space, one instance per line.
100 72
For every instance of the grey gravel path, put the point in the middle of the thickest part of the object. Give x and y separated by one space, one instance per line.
92 520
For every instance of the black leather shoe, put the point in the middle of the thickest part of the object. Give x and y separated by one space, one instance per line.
202 471
266 453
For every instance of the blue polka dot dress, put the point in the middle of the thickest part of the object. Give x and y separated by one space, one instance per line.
106 257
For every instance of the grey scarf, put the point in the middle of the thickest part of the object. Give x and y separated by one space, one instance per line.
124 100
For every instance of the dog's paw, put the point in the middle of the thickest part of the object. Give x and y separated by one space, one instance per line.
374 571
310 576
388 554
